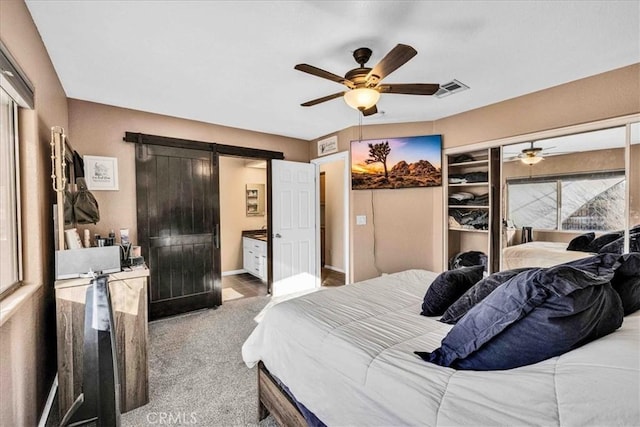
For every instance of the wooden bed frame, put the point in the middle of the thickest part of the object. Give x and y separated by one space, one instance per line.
272 399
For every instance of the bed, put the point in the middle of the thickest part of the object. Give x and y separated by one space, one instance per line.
346 354
538 254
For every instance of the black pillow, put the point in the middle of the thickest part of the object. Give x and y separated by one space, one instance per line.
626 281
617 246
634 240
477 293
603 240
468 259
581 243
535 315
448 287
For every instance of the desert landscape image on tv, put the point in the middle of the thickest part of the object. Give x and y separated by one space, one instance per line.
405 162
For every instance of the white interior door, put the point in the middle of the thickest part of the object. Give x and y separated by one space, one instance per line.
294 227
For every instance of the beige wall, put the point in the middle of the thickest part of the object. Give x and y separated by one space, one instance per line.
27 336
234 177
409 232
98 130
611 94
403 236
334 215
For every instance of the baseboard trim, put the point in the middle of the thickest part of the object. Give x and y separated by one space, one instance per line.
330 267
49 404
233 272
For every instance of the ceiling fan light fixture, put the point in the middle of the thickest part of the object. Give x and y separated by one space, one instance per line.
361 98
531 160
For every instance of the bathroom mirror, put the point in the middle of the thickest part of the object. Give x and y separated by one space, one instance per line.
562 187
255 196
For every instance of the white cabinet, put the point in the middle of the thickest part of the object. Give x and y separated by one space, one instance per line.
254 257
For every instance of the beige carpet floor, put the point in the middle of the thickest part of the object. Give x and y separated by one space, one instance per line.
196 371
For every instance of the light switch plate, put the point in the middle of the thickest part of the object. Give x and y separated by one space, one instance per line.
361 220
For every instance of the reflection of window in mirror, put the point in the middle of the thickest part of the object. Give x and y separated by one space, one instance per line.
255 196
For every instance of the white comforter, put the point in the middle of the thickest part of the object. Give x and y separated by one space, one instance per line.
347 354
539 254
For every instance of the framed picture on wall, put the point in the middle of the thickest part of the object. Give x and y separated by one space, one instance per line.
101 173
328 146
404 162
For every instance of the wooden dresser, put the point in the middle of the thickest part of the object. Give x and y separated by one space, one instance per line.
128 291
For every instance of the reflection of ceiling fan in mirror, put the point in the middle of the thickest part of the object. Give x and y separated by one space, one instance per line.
363 83
531 155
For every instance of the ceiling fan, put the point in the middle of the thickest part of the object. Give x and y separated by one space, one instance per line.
363 83
531 156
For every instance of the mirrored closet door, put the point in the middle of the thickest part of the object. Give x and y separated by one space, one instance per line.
556 189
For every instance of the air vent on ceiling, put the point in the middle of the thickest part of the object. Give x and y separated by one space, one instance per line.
450 88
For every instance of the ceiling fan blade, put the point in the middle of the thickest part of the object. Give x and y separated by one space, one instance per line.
318 72
323 99
370 111
410 88
397 57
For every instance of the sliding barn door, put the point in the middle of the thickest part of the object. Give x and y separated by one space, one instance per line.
177 226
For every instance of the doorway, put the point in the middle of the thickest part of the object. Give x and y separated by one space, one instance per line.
178 219
333 217
243 227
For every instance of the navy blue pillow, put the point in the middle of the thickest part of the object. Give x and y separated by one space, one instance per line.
615 247
535 315
626 281
448 287
604 240
477 293
581 243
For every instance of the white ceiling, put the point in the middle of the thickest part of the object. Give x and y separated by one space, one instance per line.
231 62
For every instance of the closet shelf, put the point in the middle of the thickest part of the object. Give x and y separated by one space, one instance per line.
469 164
468 207
469 184
468 230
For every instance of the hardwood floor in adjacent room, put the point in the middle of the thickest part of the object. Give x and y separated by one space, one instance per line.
245 285
332 278
242 286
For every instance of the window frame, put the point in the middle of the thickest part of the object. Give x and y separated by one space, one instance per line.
21 92
17 201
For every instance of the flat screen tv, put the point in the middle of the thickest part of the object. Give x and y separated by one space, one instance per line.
413 161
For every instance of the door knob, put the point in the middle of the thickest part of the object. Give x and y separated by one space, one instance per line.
277 235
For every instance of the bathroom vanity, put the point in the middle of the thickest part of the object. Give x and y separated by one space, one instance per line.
254 253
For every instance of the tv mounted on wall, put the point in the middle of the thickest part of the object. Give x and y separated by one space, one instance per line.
414 161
